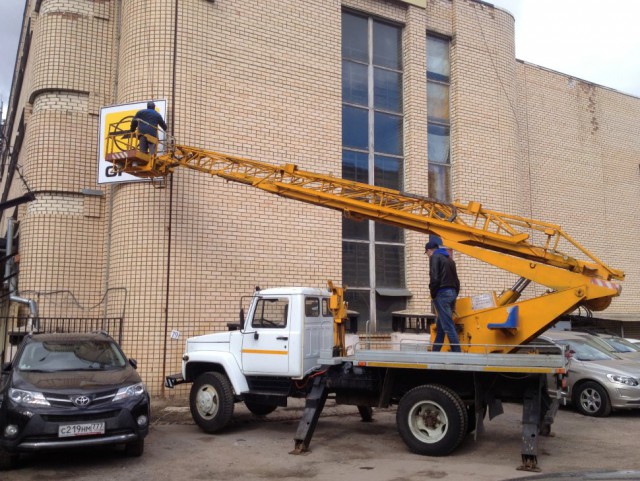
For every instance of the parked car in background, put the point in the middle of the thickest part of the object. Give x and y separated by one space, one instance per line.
614 344
68 391
635 342
598 381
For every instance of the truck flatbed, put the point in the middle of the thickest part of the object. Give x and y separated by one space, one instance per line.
452 361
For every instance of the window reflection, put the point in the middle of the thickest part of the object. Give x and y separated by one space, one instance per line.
386 45
354 37
387 92
387 172
354 83
439 182
388 133
439 144
438 102
354 127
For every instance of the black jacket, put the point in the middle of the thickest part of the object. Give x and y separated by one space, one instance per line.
442 272
150 119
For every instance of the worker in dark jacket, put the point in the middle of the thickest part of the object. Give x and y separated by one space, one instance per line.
147 122
444 286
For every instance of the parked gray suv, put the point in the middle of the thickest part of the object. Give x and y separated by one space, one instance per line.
598 381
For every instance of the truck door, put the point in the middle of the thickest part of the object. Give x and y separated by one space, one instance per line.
265 343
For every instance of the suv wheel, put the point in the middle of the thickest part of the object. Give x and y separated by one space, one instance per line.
7 460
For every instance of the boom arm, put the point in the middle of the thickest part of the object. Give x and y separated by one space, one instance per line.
525 247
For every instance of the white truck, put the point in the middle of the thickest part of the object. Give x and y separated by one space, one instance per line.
285 348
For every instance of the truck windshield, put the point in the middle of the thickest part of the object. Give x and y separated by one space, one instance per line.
71 356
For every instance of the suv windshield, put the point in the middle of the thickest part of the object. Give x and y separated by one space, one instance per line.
69 355
584 351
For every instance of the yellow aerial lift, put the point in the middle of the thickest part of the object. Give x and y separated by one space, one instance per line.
529 248
440 395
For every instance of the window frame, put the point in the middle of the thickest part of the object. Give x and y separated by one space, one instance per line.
372 153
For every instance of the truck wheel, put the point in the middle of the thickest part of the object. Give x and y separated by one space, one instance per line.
260 409
211 401
431 420
591 399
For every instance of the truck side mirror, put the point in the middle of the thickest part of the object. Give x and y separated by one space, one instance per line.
241 318
6 367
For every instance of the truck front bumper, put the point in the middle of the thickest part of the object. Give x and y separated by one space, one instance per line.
173 380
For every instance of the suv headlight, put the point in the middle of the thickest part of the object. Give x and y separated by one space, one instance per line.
28 397
627 380
130 391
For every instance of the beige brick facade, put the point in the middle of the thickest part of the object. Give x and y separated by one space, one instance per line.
263 80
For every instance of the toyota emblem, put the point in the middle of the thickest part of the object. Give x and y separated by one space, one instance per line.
81 401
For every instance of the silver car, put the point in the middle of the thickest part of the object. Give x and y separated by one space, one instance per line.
614 344
597 381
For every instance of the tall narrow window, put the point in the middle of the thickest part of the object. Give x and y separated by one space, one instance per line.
438 72
372 152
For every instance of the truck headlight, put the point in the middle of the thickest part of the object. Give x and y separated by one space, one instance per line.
30 398
130 391
627 380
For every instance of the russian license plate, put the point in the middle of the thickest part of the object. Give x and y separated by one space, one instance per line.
85 429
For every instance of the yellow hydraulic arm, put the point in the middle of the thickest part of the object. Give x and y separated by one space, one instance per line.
528 248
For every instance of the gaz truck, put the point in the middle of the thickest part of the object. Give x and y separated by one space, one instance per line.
292 341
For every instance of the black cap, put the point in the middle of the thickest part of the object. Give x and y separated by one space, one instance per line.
151 105
431 245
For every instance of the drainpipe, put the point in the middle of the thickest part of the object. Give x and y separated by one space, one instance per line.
11 281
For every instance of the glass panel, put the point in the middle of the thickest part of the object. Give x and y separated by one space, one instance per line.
355 264
386 45
359 301
355 127
384 307
271 313
387 90
354 37
439 145
326 312
354 83
355 166
438 66
355 230
387 172
388 233
312 307
388 133
439 183
389 266
438 102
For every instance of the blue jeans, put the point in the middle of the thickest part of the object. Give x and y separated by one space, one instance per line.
445 302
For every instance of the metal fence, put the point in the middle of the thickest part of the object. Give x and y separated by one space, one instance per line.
14 329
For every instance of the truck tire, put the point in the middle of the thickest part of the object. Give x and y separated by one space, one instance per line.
211 401
431 420
591 399
260 409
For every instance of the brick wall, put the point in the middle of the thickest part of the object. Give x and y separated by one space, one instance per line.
263 80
